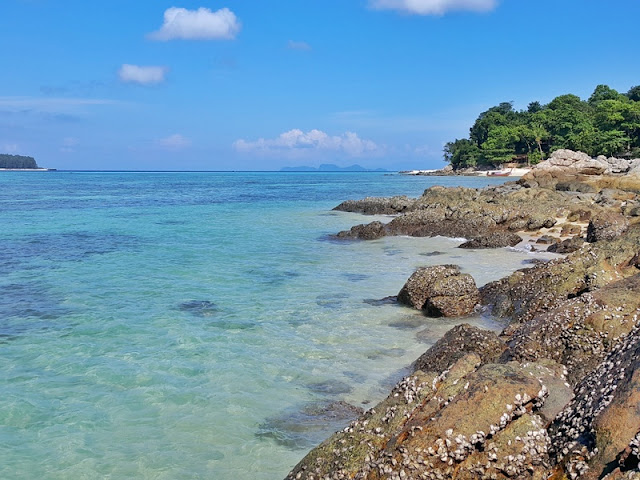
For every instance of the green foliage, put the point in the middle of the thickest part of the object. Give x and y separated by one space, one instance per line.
462 153
17 161
634 94
608 123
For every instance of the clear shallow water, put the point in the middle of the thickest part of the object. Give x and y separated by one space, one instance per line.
181 325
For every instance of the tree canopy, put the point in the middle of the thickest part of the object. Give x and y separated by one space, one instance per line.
17 161
608 123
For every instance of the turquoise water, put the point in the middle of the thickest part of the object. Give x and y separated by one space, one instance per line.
180 325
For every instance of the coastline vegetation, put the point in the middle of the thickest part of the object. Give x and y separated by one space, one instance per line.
608 123
17 162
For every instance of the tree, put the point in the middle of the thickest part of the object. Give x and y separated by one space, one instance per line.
462 153
495 116
534 107
602 93
634 94
608 123
17 161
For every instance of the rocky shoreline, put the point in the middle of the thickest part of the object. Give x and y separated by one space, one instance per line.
556 394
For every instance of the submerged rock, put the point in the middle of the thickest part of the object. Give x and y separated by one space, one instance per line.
307 425
199 308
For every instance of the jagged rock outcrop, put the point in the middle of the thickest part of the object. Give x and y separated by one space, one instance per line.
470 213
458 342
556 395
440 291
597 435
579 331
606 226
493 240
377 205
540 288
576 171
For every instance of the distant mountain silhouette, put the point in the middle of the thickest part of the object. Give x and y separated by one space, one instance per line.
328 167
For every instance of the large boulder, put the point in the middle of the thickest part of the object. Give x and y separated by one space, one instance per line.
493 240
568 161
568 245
370 231
440 291
606 226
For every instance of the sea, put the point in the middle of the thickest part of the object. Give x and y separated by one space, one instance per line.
203 325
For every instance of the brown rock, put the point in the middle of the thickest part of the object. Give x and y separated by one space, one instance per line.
440 291
569 245
493 240
369 231
581 331
570 229
456 343
606 226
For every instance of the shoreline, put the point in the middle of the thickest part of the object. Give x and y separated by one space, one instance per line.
28 169
507 172
569 322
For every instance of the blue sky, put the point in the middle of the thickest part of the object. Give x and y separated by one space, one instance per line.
258 85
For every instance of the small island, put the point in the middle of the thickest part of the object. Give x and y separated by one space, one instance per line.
20 163
504 141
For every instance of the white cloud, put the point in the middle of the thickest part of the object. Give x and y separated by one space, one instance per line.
142 75
10 148
433 7
300 143
174 142
69 144
293 45
201 24
49 104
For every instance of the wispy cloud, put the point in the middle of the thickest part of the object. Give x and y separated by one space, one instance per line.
174 142
200 24
142 75
69 144
50 104
434 7
302 46
11 148
298 143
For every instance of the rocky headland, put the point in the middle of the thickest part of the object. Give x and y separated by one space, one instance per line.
556 394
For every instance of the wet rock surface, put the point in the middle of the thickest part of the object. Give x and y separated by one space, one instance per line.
555 395
440 291
377 205
458 342
493 240
568 245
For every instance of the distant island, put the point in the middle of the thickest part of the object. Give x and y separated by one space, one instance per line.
19 162
328 167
